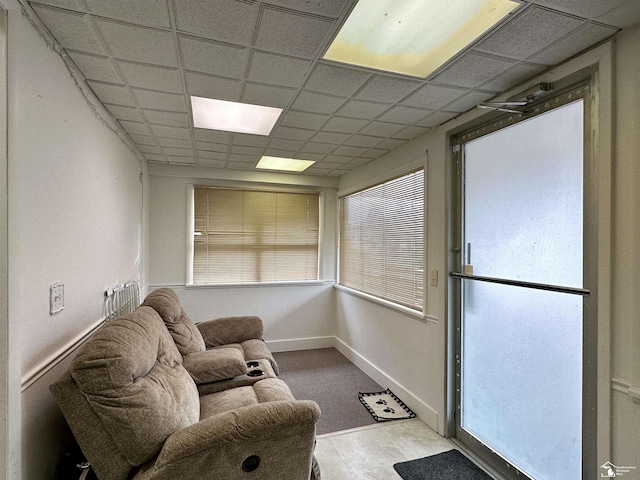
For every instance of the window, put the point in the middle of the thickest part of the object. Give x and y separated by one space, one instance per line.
243 236
381 240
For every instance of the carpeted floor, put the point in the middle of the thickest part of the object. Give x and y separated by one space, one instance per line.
329 378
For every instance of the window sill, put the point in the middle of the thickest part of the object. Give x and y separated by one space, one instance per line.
385 303
306 283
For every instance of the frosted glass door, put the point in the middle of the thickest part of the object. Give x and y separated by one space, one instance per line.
521 347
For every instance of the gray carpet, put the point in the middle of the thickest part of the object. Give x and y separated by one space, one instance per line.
329 378
451 465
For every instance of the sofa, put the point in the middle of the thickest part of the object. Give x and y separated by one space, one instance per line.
138 413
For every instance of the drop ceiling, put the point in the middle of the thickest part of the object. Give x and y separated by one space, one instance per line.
144 58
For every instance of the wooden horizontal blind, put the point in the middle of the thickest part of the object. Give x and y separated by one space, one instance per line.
254 236
381 240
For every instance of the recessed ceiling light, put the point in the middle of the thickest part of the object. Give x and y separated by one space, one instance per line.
413 37
284 164
233 116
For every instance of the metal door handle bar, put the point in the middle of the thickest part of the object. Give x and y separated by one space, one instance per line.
520 283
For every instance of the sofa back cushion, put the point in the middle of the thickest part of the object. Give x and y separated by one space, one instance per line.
184 332
132 376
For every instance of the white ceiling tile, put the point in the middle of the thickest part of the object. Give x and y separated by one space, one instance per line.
212 147
125 113
314 147
405 115
144 12
330 137
267 95
151 77
623 16
291 32
363 141
575 42
433 96
316 157
213 136
312 121
408 133
211 156
293 133
212 57
250 140
349 151
155 158
391 143
238 165
209 86
171 132
278 152
345 125
374 153
143 139
329 8
159 100
109 93
528 33
181 152
153 149
437 118
182 160
317 103
71 30
247 150
513 76
285 144
278 70
381 129
387 89
582 8
171 119
337 160
222 20
468 101
95 67
334 80
175 143
360 161
237 158
473 69
213 163
139 44
136 128
361 109
66 4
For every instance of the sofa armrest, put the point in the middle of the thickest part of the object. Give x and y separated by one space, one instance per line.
214 365
281 434
226 330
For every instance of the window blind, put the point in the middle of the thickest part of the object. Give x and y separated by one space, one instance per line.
254 236
381 240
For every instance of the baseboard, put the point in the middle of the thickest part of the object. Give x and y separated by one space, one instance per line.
425 412
310 343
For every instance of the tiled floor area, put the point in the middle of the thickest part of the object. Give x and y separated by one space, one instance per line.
368 453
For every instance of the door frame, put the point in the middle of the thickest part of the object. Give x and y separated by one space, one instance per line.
594 68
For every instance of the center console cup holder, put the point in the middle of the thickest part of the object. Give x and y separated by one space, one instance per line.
255 373
253 364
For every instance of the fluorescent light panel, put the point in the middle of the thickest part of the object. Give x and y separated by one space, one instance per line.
232 116
413 37
284 164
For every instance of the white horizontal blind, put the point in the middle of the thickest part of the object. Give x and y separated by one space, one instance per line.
254 236
381 240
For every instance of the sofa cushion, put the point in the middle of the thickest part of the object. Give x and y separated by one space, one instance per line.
214 365
132 376
184 332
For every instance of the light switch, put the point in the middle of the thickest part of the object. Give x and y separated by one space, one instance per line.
56 298
434 278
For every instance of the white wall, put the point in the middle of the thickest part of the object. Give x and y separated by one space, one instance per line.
295 316
75 216
626 258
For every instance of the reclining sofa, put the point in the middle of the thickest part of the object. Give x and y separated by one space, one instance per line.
153 396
